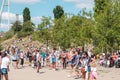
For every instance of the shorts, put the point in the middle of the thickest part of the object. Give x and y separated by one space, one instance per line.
89 69
30 58
22 62
4 71
53 63
72 65
14 60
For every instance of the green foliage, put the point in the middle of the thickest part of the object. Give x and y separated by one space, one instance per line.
101 29
16 27
26 15
44 30
66 31
99 7
1 47
107 23
8 35
23 34
58 12
28 27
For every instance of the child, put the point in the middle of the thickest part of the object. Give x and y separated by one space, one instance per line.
93 69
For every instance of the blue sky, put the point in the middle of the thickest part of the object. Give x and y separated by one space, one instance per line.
40 8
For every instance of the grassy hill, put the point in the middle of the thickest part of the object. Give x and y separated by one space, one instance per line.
21 43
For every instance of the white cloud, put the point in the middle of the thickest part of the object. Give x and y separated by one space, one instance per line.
36 19
76 1
4 25
26 1
12 16
20 17
83 5
88 4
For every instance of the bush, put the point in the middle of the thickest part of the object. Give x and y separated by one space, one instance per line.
23 34
9 35
1 47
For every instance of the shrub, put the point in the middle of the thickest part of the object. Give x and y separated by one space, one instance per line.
1 47
9 35
23 34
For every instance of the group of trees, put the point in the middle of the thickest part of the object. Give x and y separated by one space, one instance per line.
25 28
107 18
100 28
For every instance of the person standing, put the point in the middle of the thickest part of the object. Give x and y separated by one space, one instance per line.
22 58
29 55
0 63
93 68
38 61
14 58
84 62
5 65
63 55
53 60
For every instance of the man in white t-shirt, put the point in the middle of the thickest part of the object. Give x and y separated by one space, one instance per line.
5 65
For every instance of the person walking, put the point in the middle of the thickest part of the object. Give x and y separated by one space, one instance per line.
0 63
22 58
5 66
38 61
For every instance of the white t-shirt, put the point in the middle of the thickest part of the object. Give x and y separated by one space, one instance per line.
5 62
38 57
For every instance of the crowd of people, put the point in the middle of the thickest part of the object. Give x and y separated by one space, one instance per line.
79 63
82 64
109 59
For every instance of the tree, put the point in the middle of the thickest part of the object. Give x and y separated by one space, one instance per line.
107 24
26 15
16 27
58 12
44 29
99 7
28 27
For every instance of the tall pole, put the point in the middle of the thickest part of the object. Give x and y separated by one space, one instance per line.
1 10
17 17
8 14
5 3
